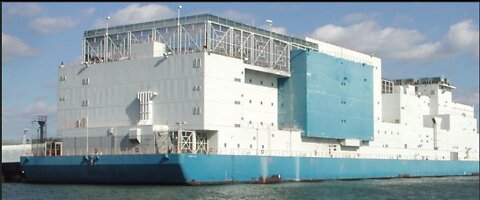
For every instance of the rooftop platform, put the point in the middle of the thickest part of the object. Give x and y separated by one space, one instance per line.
196 33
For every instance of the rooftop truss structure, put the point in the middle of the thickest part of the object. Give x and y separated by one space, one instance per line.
197 33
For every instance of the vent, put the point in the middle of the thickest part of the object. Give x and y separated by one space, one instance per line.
146 107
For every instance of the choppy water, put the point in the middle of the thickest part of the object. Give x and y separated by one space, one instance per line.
409 188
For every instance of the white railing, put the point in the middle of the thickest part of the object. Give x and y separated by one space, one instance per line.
149 149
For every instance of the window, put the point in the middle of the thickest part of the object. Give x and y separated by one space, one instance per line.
63 78
85 103
237 125
238 80
197 88
261 102
237 102
261 123
272 84
261 82
225 145
62 98
250 101
272 104
263 146
238 145
250 80
85 81
196 63
196 111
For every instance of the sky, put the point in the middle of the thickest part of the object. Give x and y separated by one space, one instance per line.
412 39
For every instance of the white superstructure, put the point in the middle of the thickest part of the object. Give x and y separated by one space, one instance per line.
143 96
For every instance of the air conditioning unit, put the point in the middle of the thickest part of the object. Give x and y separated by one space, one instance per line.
134 135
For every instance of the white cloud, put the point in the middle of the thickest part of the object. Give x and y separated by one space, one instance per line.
47 25
13 47
469 97
246 18
23 9
39 107
358 17
249 19
280 30
401 44
136 13
88 12
15 120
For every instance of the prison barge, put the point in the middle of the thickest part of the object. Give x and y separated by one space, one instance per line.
202 99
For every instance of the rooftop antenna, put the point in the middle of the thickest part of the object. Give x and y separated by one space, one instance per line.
179 31
269 22
106 39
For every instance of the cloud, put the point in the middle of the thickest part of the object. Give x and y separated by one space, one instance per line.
15 120
469 97
280 30
401 44
136 13
88 12
358 17
49 25
249 18
246 18
13 47
39 107
24 9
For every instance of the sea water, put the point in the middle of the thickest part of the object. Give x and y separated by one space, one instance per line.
459 187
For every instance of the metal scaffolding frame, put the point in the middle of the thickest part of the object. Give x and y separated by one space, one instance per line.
197 33
190 141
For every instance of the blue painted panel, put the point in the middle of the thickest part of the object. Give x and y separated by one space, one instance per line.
339 98
327 97
292 94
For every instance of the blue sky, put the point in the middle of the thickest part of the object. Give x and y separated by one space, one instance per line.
413 40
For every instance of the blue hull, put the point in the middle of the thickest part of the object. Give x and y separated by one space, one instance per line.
214 169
